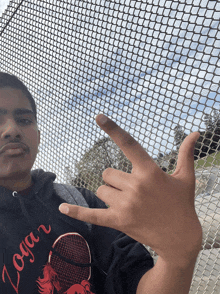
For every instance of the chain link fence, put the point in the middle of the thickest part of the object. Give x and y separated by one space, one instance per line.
152 66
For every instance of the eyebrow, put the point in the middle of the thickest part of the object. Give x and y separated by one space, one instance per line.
17 111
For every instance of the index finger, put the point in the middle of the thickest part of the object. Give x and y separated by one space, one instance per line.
130 147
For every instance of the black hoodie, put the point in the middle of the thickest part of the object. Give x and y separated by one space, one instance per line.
34 252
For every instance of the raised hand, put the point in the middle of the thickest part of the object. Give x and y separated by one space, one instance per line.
148 205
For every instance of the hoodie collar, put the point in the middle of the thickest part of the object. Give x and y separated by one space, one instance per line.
39 177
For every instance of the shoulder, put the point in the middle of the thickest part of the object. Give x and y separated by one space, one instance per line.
78 195
92 200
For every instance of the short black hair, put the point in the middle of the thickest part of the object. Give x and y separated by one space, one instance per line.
11 81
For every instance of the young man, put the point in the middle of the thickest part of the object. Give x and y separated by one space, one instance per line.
45 251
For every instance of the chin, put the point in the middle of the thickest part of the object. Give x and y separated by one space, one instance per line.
14 172
15 168
15 175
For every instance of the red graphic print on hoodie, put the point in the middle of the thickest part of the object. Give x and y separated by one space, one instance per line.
62 275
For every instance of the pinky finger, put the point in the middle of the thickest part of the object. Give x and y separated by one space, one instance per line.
100 217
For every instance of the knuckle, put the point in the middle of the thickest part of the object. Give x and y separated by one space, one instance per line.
100 190
129 205
107 172
140 180
93 219
154 173
129 140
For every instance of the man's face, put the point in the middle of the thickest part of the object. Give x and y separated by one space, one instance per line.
17 127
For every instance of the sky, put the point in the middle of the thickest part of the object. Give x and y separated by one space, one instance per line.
3 5
165 87
145 71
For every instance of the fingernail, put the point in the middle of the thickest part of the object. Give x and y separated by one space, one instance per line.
102 119
64 208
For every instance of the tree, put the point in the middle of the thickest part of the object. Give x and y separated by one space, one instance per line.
208 121
209 139
212 121
179 135
103 154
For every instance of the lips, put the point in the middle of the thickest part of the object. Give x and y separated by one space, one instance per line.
13 146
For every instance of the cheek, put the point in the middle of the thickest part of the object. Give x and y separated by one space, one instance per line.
33 149
32 140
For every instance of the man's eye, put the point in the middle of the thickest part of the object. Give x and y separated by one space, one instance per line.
25 121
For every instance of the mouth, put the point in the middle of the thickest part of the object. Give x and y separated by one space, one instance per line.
13 150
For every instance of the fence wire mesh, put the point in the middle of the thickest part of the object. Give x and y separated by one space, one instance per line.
153 66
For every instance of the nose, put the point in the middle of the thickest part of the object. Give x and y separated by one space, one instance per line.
10 130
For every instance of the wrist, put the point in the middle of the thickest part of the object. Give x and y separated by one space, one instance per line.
182 252
168 277
181 260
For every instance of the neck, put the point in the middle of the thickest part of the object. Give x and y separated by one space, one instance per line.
17 184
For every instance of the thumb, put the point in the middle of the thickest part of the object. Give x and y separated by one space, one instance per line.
185 163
